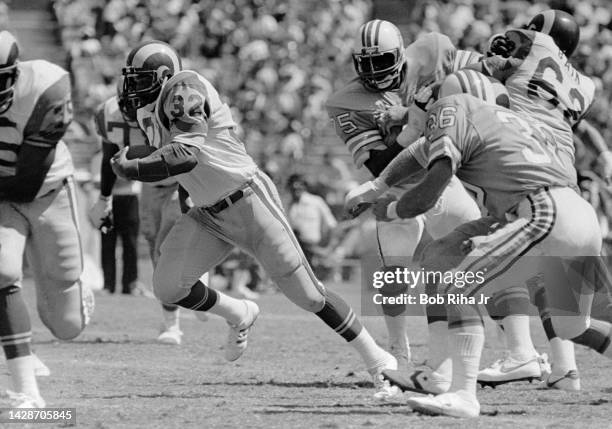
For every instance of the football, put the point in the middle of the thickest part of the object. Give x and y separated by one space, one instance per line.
139 151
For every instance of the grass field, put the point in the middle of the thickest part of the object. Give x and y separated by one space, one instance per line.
295 374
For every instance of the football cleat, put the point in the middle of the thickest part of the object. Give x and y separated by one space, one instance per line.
422 380
384 390
510 370
454 404
170 335
21 400
237 337
569 382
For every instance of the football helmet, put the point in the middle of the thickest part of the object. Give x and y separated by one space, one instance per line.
9 58
378 55
466 81
147 67
560 26
128 113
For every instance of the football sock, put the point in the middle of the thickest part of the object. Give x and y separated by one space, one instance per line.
466 345
394 289
562 356
372 355
438 356
339 316
398 334
171 315
203 298
518 337
597 337
15 337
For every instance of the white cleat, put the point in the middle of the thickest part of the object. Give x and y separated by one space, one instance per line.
21 400
237 338
384 390
40 369
569 382
422 380
170 335
510 370
455 404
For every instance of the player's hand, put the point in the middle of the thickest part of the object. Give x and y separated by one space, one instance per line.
361 198
499 44
603 168
389 117
118 162
384 208
100 212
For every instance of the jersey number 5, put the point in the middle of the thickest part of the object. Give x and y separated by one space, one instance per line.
345 123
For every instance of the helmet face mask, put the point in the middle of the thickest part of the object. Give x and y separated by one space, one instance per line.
147 68
8 79
378 57
9 70
378 70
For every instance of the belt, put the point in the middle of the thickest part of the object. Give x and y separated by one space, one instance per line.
221 205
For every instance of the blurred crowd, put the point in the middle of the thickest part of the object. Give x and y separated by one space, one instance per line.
277 61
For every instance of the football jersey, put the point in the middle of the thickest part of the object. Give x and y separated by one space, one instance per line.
114 129
190 111
351 110
502 153
543 84
39 114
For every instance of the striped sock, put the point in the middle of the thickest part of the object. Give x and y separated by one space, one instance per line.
340 317
15 337
204 298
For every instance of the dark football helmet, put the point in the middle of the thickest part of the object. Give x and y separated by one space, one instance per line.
560 26
147 67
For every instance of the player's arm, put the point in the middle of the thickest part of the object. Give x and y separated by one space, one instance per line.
497 67
186 108
363 139
411 161
44 129
449 146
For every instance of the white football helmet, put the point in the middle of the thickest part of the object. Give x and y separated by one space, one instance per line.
378 55
466 81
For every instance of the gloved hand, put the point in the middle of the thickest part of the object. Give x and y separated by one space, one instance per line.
361 198
100 213
499 44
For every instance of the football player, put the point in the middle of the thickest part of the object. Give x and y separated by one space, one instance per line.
235 204
159 203
529 187
390 75
38 213
534 65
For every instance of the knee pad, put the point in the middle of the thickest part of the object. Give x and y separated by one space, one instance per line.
569 327
302 288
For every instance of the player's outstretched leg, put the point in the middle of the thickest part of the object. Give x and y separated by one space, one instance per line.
15 336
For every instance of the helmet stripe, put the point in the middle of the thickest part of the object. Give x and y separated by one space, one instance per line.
377 32
461 77
549 20
9 50
366 34
480 85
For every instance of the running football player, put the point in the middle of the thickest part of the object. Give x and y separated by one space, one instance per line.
159 203
235 204
38 213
